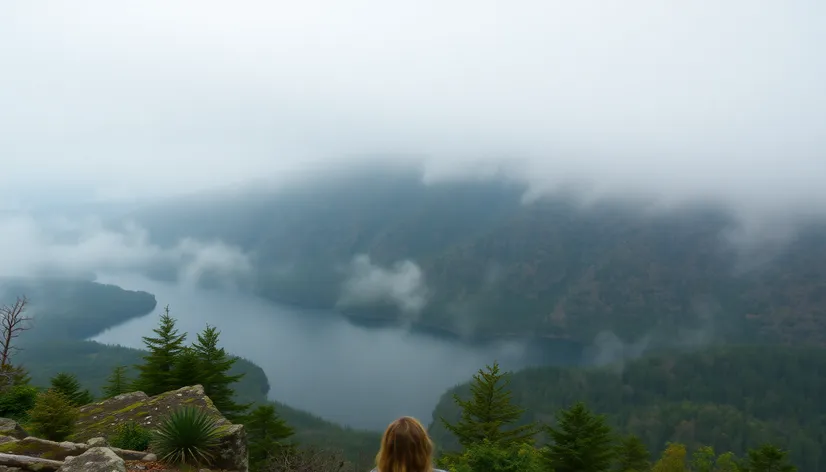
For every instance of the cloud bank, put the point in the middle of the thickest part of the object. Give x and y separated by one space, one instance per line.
402 285
82 247
680 100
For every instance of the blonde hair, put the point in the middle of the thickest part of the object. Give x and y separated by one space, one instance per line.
405 447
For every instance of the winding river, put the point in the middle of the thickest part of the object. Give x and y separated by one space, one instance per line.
320 362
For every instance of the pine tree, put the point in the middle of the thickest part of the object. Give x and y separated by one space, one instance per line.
68 385
53 416
768 458
488 412
632 455
155 375
580 442
215 365
117 383
266 434
187 370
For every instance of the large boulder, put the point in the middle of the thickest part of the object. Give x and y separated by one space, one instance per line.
102 419
96 459
36 447
12 429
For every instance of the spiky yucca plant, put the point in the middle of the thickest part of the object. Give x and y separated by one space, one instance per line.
186 436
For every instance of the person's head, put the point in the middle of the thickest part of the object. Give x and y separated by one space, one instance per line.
405 447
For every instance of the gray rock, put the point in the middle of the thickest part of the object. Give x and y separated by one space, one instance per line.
12 428
36 447
29 463
4 468
96 459
7 439
232 450
128 455
97 442
150 458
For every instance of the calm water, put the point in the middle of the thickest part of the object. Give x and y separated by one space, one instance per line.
320 362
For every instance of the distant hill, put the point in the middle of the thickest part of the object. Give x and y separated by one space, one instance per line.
730 398
491 265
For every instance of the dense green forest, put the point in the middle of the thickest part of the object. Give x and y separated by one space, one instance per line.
556 267
729 398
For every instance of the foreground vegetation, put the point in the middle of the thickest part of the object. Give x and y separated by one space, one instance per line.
575 440
728 398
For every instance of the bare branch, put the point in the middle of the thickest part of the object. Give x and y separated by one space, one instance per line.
13 321
308 460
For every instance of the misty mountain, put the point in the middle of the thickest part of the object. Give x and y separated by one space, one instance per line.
477 259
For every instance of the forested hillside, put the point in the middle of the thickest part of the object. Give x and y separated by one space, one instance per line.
491 265
732 399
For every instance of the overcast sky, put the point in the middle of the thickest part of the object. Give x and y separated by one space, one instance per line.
681 98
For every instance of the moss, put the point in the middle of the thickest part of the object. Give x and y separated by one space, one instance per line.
34 449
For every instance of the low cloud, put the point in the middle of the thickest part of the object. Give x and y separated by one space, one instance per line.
85 246
402 285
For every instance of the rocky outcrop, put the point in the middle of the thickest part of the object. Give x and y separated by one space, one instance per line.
96 459
100 420
12 429
89 449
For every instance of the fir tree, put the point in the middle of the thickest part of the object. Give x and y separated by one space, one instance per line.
580 442
266 433
155 375
187 370
215 365
117 383
768 458
632 455
488 412
53 416
68 385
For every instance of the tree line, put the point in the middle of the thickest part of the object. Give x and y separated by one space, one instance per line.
578 440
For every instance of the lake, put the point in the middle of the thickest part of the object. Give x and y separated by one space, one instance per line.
360 376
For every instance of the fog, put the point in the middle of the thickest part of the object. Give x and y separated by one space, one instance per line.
673 100
36 246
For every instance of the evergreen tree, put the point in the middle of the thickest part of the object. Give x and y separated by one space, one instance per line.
155 375
488 412
68 385
266 432
672 460
215 365
187 370
768 458
53 416
632 455
117 383
580 442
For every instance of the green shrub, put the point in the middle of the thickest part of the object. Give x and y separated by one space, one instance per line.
132 436
16 401
490 457
53 416
187 436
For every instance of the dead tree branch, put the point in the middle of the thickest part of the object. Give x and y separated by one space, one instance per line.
13 321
